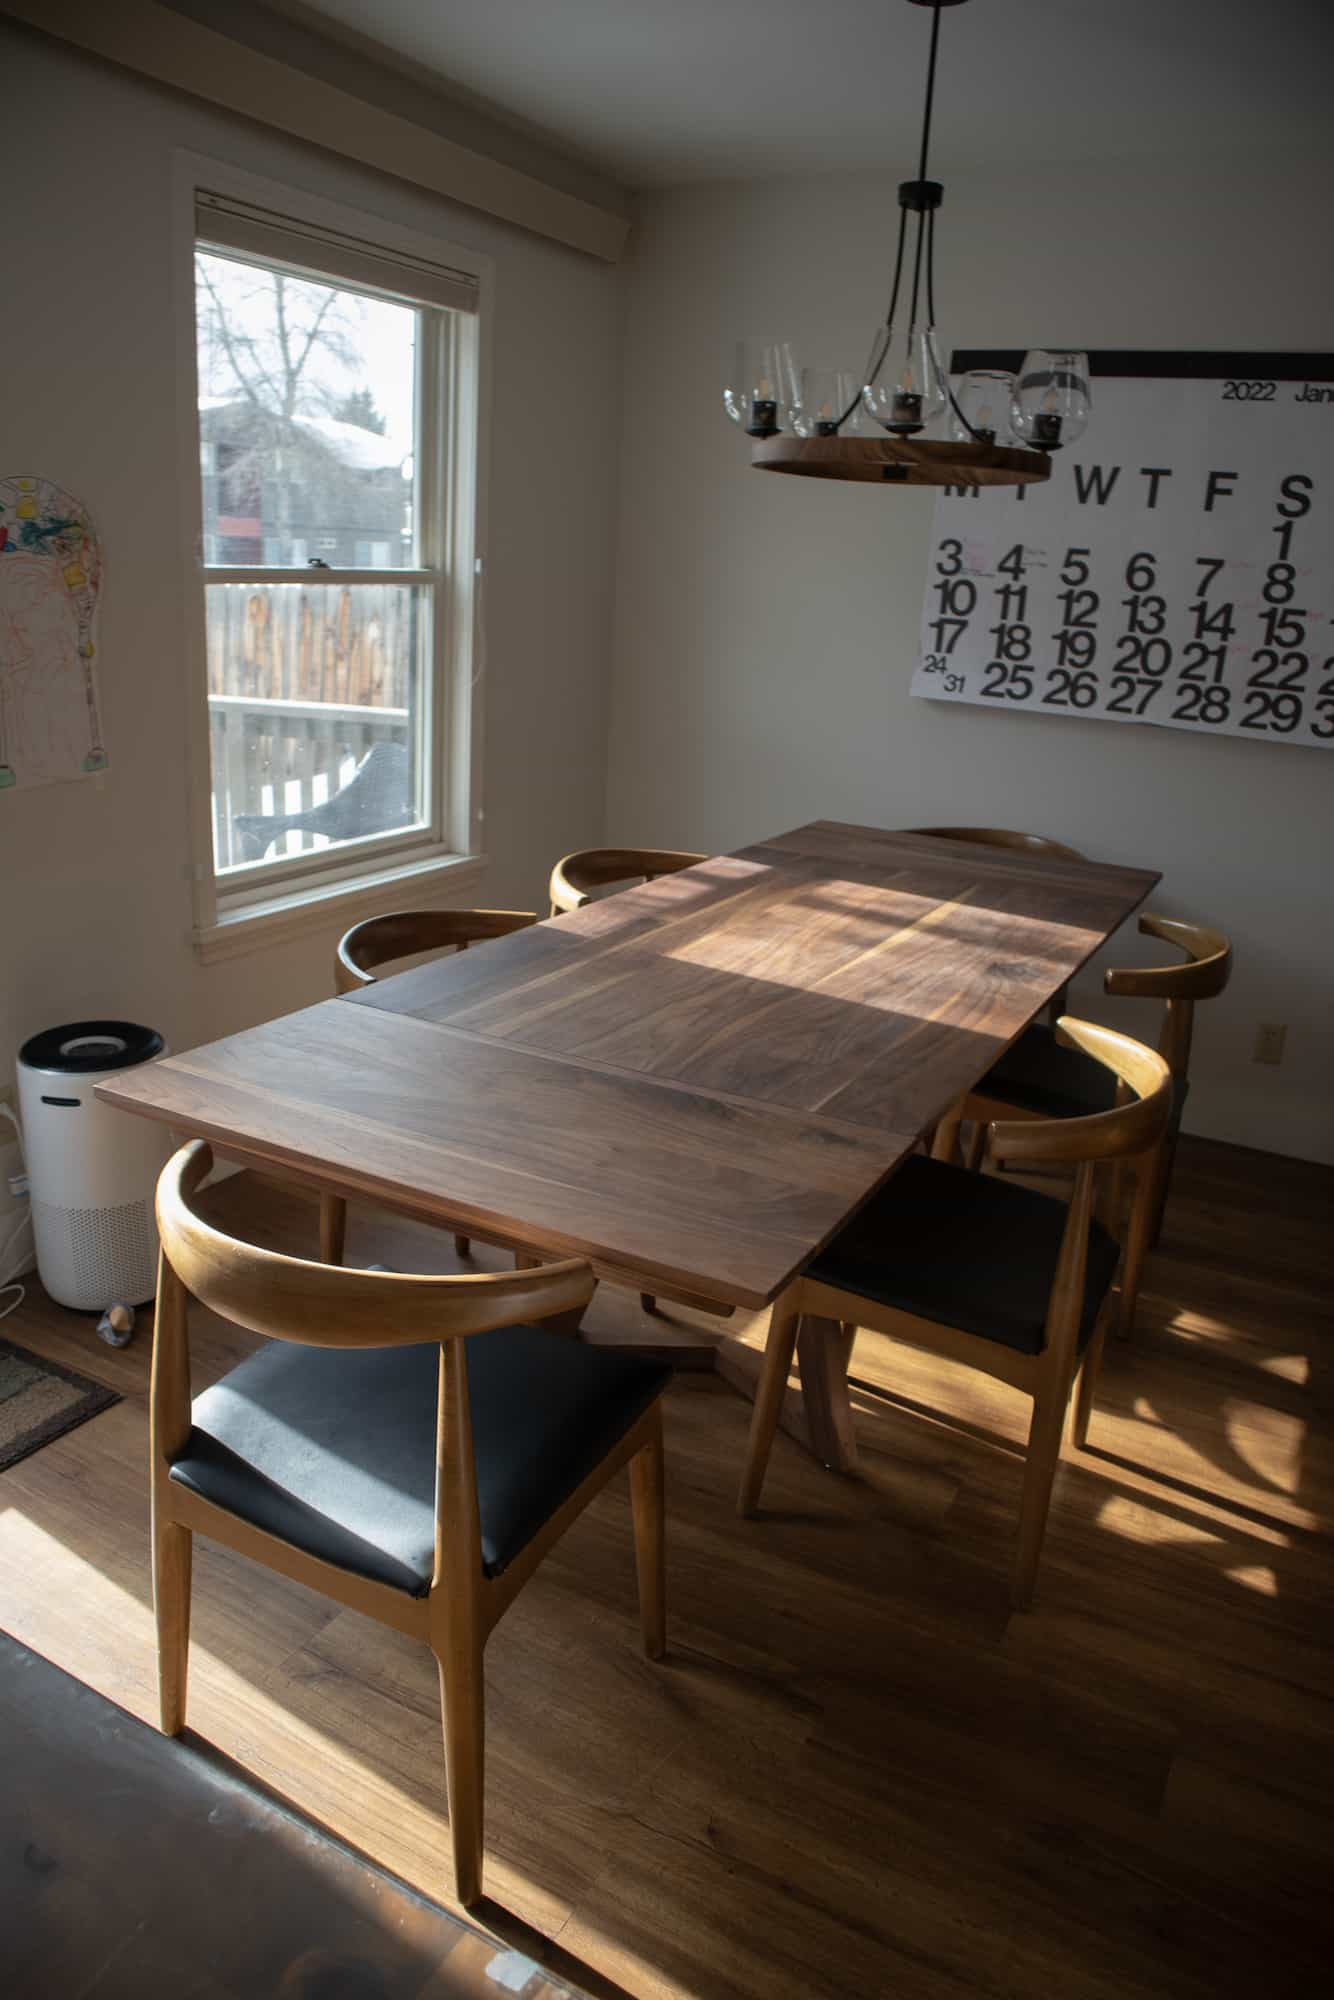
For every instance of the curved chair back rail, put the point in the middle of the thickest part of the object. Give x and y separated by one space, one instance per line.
325 1305
1129 1129
1205 971
1001 836
599 867
404 933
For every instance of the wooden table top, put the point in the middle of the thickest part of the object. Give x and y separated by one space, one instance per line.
694 1082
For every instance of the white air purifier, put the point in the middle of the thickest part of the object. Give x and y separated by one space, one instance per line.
92 1170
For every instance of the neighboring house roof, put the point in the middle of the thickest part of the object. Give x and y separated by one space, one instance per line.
359 450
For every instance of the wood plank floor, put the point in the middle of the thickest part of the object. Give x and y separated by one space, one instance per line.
858 1773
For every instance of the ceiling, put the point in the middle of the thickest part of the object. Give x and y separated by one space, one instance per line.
655 92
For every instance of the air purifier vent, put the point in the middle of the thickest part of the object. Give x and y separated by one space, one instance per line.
102 1253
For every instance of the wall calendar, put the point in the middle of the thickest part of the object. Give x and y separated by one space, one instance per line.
1177 568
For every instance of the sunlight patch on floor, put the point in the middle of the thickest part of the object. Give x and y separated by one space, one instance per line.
1141 1521
1201 1329
1258 1577
128 1661
1271 1442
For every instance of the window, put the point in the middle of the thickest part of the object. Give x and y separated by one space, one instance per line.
337 473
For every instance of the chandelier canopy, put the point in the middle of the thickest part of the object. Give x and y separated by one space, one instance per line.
819 423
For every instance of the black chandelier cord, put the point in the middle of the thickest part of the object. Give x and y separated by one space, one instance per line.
931 227
930 91
931 268
882 346
917 274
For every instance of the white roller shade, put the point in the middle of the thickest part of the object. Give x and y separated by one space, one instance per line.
222 222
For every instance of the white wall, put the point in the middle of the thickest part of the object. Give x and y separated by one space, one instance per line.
94 894
766 628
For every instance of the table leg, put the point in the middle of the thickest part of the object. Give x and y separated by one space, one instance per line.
824 1349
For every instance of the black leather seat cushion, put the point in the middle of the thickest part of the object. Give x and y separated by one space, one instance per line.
333 1449
964 1250
1039 1074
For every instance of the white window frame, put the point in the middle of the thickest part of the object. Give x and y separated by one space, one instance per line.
443 861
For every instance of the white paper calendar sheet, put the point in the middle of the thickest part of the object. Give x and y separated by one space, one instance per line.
1177 568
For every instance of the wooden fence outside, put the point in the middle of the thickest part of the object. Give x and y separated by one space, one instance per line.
340 642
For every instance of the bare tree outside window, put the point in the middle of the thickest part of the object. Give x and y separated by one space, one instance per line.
297 380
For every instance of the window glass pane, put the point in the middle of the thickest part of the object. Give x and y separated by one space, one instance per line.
306 419
317 715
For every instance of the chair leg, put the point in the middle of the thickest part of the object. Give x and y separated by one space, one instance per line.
463 1707
463 1245
333 1228
1044 1451
1139 1230
784 1320
824 1349
977 1142
173 1549
1164 1160
646 1500
945 1144
648 1302
1086 1388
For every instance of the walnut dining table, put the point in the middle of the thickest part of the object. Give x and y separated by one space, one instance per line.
693 1083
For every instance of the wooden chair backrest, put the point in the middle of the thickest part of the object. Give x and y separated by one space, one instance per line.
599 867
1131 1128
1205 971
1136 1126
403 933
1000 836
327 1305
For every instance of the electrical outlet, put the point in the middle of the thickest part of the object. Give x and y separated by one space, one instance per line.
1269 1039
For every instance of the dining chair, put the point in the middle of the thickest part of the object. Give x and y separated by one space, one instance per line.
376 941
1001 836
574 878
1039 1076
981 1270
409 1446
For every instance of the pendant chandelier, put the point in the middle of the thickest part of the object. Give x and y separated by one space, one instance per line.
820 423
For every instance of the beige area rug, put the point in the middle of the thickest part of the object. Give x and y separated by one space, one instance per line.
39 1401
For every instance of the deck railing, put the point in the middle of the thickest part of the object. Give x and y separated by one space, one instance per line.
280 756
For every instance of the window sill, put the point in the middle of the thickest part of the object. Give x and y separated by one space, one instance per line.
258 925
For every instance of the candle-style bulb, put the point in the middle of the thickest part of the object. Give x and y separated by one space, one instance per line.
914 396
826 393
1051 401
762 392
981 405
